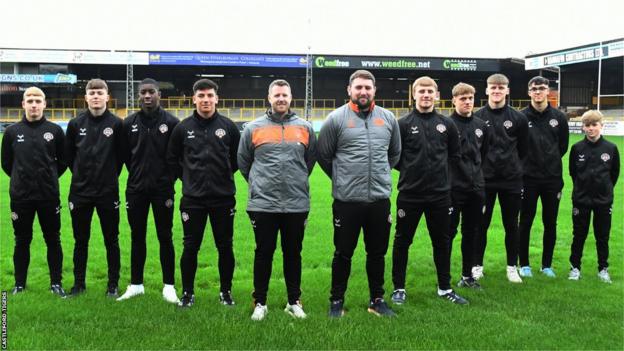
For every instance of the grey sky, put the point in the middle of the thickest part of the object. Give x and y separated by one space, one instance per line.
477 28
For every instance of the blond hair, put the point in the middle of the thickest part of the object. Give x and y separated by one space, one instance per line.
463 89
425 81
498 79
591 117
34 91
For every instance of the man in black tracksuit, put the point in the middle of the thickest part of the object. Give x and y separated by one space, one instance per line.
548 142
202 153
32 155
150 182
94 156
467 184
594 168
502 170
430 142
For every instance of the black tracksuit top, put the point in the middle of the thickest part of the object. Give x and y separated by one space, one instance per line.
467 175
548 142
508 129
429 142
93 148
594 168
202 153
33 156
145 141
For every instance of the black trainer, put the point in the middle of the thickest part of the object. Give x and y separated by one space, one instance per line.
225 298
454 298
187 300
336 309
469 282
77 290
57 289
18 289
112 292
380 308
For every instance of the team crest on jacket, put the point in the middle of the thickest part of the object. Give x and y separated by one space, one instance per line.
168 203
553 123
401 213
441 128
378 122
185 216
478 132
163 128
605 157
108 131
48 136
14 216
507 124
220 133
575 211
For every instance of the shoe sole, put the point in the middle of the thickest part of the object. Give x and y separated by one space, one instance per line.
370 310
293 315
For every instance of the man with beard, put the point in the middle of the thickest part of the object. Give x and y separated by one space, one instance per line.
359 144
145 138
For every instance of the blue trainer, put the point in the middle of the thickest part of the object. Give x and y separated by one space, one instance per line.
525 271
547 271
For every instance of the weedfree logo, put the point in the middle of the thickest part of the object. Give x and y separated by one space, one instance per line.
321 62
460 65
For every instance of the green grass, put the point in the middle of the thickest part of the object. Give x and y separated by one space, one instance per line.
539 314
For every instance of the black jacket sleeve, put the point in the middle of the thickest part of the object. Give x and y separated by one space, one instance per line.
523 136
7 153
125 142
564 135
485 144
454 147
572 163
61 163
70 145
402 131
615 169
234 141
175 150
118 131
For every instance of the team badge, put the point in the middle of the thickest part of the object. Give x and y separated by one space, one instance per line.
351 123
575 211
48 136
71 206
108 131
605 157
168 203
441 128
378 122
507 124
390 218
553 123
14 216
185 216
163 128
478 132
220 133
401 213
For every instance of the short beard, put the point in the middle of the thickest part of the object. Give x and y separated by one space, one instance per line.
360 106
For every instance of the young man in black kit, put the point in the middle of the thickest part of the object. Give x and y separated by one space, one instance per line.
548 142
502 170
33 157
430 143
94 156
467 184
202 153
150 182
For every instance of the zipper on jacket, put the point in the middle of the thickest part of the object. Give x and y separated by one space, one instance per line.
282 169
370 155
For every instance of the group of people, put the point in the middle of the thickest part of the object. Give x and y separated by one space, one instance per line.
451 168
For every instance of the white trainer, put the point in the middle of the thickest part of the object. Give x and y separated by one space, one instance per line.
132 291
295 310
512 274
169 294
477 272
604 276
259 312
575 274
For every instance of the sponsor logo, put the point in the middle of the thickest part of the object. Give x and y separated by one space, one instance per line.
220 133
168 203
232 211
253 223
415 130
322 62
185 217
108 131
83 132
14 216
116 204
553 123
507 124
190 134
337 222
20 138
441 128
575 211
163 128
135 128
127 205
460 65
48 136
581 158
401 213
487 123
478 132
605 157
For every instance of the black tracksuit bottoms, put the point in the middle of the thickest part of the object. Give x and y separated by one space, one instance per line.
137 206
350 218
550 209
23 216
291 227
81 214
193 224
438 223
602 227
510 203
470 206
